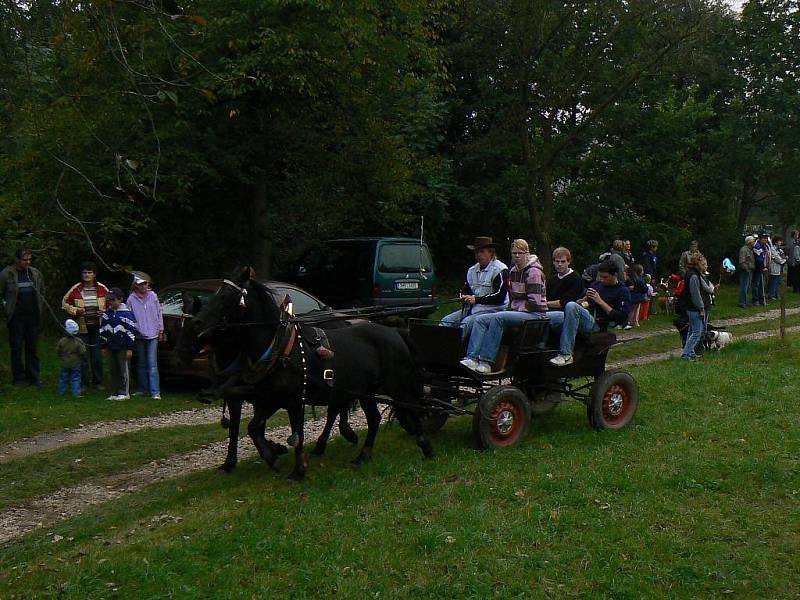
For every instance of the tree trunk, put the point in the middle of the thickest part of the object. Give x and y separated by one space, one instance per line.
261 230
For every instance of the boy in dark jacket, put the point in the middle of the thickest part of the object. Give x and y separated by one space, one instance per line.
70 355
118 334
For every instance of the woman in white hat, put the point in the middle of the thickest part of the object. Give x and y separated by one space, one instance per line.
144 304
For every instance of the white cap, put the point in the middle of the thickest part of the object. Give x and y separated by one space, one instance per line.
71 326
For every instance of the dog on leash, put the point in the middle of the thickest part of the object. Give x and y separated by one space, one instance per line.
717 340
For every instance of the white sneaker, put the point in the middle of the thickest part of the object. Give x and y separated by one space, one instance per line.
628 327
482 367
111 397
562 360
122 397
469 363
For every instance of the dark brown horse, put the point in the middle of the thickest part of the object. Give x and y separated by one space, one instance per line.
280 369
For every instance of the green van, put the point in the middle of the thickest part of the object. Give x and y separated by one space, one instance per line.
373 271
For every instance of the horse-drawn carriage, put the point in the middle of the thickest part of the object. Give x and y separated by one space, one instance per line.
276 360
524 384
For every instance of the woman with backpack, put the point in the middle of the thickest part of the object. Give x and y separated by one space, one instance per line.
699 298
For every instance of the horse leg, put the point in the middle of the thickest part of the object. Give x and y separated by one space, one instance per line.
322 440
344 426
296 420
256 428
235 407
373 415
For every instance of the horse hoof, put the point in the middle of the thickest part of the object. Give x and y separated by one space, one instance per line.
361 459
348 434
277 448
295 476
319 449
226 467
428 452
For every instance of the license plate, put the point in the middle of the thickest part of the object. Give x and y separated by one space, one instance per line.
407 285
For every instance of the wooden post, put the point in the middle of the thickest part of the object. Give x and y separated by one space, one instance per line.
782 294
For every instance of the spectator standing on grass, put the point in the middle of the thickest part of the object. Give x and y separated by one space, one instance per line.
617 250
71 350
85 302
694 246
777 258
650 259
118 335
144 304
638 289
22 293
644 311
747 264
627 255
761 252
700 293
793 261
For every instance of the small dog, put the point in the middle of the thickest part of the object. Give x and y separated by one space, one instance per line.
717 340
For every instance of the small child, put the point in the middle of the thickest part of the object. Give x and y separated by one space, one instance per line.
638 291
118 334
644 310
70 354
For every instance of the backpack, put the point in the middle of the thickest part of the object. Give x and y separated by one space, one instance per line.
681 296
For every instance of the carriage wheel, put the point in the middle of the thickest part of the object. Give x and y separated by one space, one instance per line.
502 417
431 421
613 402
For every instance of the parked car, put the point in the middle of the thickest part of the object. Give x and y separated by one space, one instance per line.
374 271
177 301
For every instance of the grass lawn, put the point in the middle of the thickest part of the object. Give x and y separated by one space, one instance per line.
697 498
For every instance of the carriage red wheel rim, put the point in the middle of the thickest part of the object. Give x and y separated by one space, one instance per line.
616 405
505 423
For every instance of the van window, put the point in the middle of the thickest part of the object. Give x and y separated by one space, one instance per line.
404 258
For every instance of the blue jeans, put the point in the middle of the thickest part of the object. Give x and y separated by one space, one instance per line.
487 331
696 328
454 320
774 283
71 376
745 278
575 318
147 367
92 361
758 287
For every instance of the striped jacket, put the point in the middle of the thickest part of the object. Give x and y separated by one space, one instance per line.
73 300
527 287
118 328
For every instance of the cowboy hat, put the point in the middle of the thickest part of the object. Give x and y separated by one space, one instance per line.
481 242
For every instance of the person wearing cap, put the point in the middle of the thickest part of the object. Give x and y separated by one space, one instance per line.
528 301
485 288
117 335
71 350
150 323
761 250
747 264
85 302
22 296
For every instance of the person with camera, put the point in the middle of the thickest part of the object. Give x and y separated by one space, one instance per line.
607 301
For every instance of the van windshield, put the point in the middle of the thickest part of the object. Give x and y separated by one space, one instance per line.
404 258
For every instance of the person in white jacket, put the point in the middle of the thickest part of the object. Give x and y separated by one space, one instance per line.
777 258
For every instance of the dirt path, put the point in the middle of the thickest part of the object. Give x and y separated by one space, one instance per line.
763 316
69 437
650 358
70 502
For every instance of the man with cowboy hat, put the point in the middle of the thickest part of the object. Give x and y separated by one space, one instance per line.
485 288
